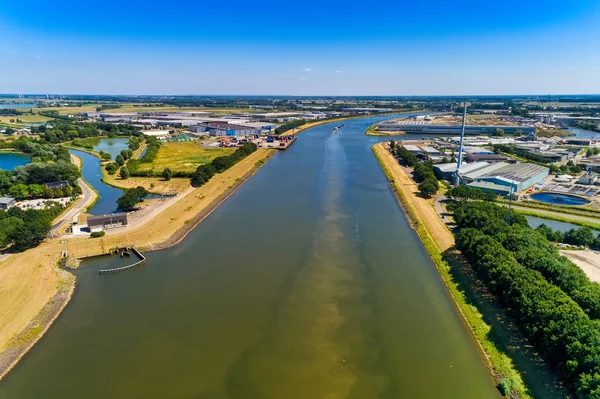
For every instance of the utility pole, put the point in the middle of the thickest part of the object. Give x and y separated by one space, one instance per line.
510 195
460 148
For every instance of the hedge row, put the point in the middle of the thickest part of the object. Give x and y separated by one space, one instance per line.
220 164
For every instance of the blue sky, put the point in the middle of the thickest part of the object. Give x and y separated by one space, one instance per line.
300 48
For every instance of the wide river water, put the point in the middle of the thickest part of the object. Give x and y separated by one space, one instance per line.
307 282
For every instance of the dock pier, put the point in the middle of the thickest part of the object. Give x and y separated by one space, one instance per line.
141 260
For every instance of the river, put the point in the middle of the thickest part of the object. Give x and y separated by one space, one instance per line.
586 134
308 282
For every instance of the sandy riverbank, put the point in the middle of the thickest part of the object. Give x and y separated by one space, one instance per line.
587 260
30 281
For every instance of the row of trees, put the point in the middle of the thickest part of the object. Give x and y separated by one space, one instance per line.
567 338
592 151
423 172
525 154
466 193
26 229
132 196
119 162
551 298
407 157
583 236
290 125
205 172
153 146
570 167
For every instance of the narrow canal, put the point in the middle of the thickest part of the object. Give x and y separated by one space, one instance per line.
307 283
90 170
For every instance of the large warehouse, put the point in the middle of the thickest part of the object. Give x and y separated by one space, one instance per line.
224 129
420 127
498 177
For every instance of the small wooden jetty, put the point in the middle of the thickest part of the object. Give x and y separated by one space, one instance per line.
125 252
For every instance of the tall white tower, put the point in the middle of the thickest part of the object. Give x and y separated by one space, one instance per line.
460 147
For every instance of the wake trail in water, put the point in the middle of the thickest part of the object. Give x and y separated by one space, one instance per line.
321 347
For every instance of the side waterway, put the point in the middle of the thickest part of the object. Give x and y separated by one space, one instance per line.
307 283
92 174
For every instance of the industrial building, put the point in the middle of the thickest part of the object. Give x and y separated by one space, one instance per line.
58 184
7 202
515 178
446 171
104 222
489 158
422 127
365 110
219 129
412 148
277 115
498 177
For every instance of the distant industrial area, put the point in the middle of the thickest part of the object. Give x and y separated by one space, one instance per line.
85 177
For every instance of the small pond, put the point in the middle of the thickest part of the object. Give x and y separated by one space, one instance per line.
112 146
535 221
559 199
10 160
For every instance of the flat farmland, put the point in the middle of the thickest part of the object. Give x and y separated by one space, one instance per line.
184 156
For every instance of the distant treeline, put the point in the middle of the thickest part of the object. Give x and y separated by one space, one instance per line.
290 125
551 299
9 112
586 125
583 236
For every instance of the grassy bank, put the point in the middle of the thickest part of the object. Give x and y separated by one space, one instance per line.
572 210
183 157
565 219
501 365
372 131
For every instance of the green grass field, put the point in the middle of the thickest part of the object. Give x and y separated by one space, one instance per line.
184 157
24 119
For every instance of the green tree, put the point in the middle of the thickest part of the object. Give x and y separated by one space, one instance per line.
427 189
124 173
167 174
36 190
119 159
19 191
105 155
499 132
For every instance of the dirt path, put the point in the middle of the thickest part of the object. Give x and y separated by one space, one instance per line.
423 207
588 261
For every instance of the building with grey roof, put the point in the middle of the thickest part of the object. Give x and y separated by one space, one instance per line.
7 202
519 176
423 127
104 222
